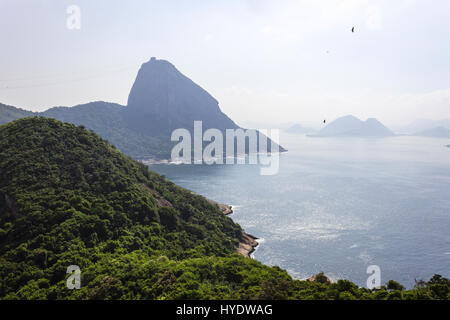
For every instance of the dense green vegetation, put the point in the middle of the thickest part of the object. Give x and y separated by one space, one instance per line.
106 119
67 197
109 120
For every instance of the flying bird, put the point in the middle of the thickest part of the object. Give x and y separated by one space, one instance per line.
353 29
324 121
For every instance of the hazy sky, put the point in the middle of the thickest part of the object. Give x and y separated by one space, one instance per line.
265 61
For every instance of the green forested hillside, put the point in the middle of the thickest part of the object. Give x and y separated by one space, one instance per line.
67 197
106 119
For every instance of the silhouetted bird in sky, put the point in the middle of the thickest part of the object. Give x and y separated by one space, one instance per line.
353 29
324 121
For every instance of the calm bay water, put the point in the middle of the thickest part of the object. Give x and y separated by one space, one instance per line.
340 205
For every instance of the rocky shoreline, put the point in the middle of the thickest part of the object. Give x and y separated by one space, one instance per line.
247 242
321 278
151 161
247 245
225 209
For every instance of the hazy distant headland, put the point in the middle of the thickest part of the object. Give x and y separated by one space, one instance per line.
350 126
421 125
300 129
438 132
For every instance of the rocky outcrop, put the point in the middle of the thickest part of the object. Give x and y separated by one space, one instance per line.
321 278
225 209
247 245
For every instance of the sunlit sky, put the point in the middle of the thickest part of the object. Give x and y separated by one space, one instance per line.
264 61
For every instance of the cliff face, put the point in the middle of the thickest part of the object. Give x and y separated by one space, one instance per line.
163 99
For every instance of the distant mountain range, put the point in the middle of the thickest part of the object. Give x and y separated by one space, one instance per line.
161 100
299 129
438 132
420 125
352 126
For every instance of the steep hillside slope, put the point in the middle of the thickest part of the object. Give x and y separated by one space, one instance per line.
68 198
